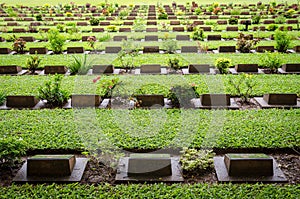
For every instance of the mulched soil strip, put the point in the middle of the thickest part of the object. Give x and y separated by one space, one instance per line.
98 172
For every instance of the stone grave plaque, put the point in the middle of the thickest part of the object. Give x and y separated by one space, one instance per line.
182 37
222 22
75 50
151 49
55 69
262 49
150 100
10 69
248 164
197 23
292 21
151 38
178 29
104 23
82 23
5 51
199 68
214 17
21 101
119 38
269 22
280 99
189 49
113 49
150 68
125 30
151 29
215 100
291 67
85 100
151 23
206 28
149 165
232 28
214 37
97 29
246 68
99 69
128 23
50 165
172 23
85 38
226 49
17 30
12 24
39 50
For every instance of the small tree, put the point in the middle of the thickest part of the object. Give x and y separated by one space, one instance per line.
198 34
56 40
283 40
271 61
33 62
170 45
245 43
223 64
19 44
243 86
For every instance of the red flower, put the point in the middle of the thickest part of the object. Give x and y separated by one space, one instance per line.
96 79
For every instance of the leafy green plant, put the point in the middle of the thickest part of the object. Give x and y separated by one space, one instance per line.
170 45
128 54
233 21
11 149
245 43
139 25
60 27
91 41
174 63
280 19
80 65
39 17
52 92
193 160
256 19
272 27
56 40
111 28
271 61
235 12
181 96
283 40
198 34
223 64
162 16
33 63
107 85
243 86
94 21
152 89
19 44
2 97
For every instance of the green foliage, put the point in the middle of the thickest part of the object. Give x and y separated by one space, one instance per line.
56 40
107 86
198 11
235 12
181 96
162 16
60 27
243 86
256 19
11 149
233 21
283 40
19 44
111 28
193 160
151 89
174 63
94 21
53 93
223 64
245 43
2 97
139 25
271 61
80 65
272 27
39 17
170 45
128 54
33 63
91 41
280 19
198 34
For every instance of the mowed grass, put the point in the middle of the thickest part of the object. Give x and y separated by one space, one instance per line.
127 2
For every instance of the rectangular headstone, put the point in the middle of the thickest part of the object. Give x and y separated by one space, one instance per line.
214 37
174 23
206 28
197 23
85 38
55 69
82 24
280 99
199 68
85 100
151 23
189 49
10 69
182 37
104 23
291 67
151 49
215 99
50 165
262 49
151 38
113 49
249 164
5 50
232 28
21 101
75 50
128 23
17 30
40 50
222 22
124 29
246 68
226 49
178 29
119 38
149 165
151 68
99 69
97 29
151 29
297 49
269 22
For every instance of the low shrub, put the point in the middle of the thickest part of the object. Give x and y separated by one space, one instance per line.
198 34
283 40
272 27
19 44
170 45
56 40
233 21
33 63
94 21
174 63
256 19
245 43
280 19
223 64
271 61
80 65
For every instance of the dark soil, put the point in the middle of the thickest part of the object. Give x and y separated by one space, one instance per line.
98 172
